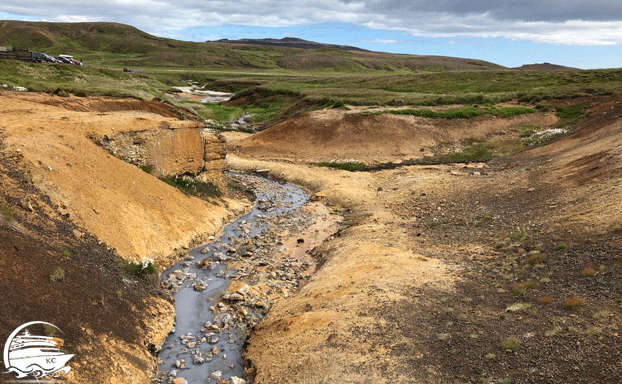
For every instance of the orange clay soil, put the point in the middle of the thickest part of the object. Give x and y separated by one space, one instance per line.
69 211
451 273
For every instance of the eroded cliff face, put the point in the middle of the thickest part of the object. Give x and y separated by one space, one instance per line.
173 149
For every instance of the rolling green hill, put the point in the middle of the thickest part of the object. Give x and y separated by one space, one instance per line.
115 44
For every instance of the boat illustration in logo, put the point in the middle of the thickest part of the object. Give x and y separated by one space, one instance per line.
30 355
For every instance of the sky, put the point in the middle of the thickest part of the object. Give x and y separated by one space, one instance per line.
577 33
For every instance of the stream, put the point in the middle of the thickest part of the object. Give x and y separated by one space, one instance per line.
211 323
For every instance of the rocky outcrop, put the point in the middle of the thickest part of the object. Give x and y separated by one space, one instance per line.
170 151
214 153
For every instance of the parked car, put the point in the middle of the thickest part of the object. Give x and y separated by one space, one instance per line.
63 60
76 62
39 57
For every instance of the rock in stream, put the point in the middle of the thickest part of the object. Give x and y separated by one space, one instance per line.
224 288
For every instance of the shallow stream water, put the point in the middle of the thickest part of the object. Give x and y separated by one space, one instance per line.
206 343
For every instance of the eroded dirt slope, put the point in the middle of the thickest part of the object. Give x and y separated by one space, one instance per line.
349 135
69 211
500 272
133 212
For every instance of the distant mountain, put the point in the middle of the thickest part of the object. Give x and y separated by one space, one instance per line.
292 42
114 44
544 67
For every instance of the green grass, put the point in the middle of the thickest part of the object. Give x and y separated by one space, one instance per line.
107 44
193 187
461 113
545 300
520 288
65 79
216 113
351 166
571 115
537 258
479 152
279 83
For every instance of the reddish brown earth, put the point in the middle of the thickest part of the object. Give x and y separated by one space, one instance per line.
440 268
349 135
68 205
505 272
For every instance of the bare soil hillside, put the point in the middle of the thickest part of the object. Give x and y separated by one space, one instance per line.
505 272
343 135
69 213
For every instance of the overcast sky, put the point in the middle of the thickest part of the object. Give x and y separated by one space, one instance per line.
578 33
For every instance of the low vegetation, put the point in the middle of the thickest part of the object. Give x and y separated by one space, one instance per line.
572 302
58 275
147 168
7 211
138 269
216 113
511 344
571 115
64 80
193 187
351 166
462 113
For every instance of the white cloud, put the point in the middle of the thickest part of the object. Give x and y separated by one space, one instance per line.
381 41
421 18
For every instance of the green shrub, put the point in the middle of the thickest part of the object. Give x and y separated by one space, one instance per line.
80 94
338 104
61 92
518 289
140 269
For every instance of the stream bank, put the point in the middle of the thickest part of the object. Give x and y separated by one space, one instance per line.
223 289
